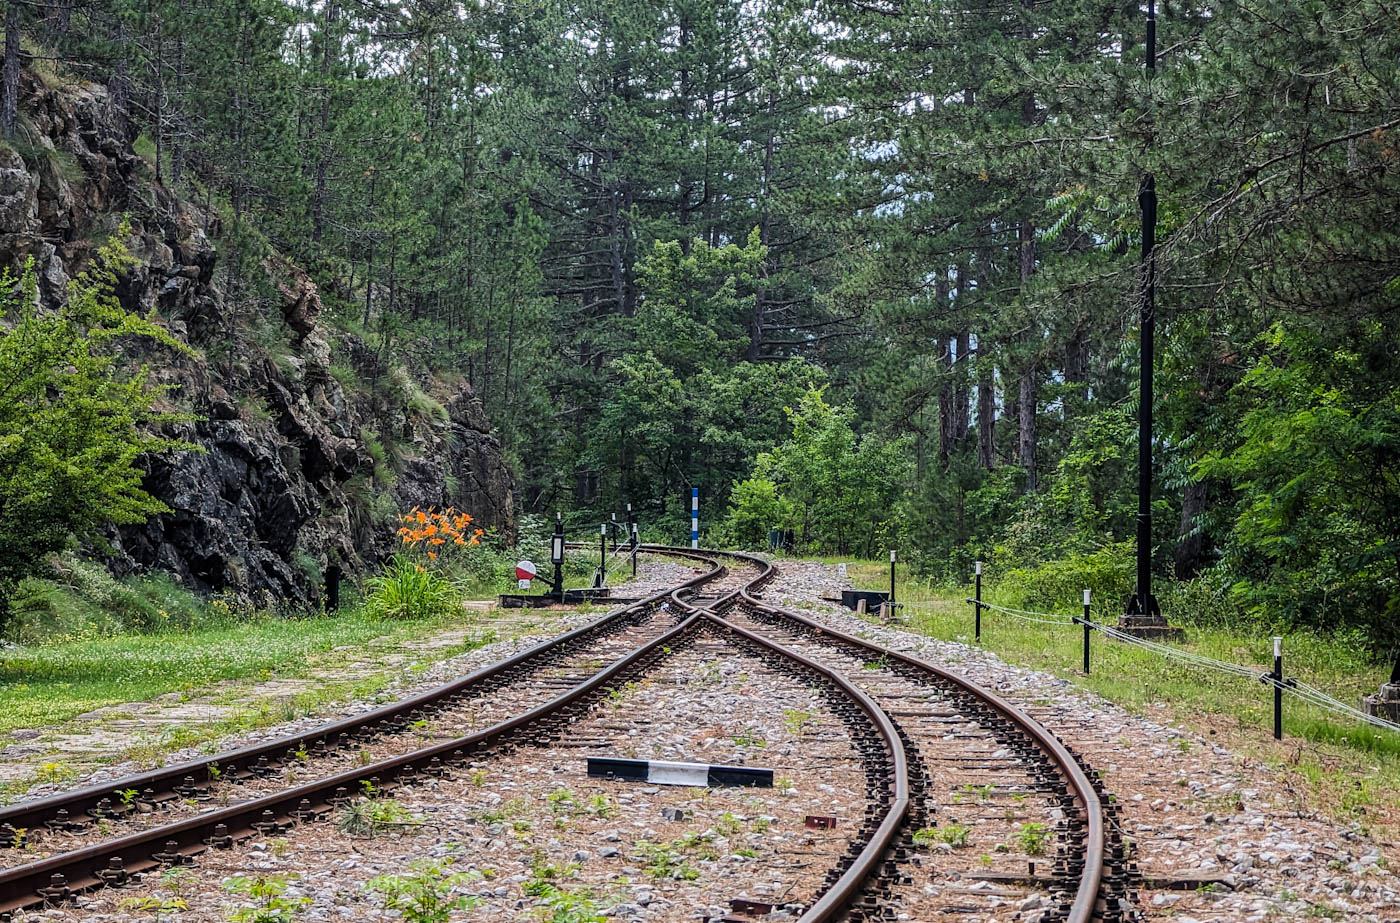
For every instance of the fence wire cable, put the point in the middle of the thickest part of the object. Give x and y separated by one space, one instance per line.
1026 615
1200 660
1300 690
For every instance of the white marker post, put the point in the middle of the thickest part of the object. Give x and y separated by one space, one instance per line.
694 517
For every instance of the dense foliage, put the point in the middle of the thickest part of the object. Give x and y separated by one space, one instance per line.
74 420
869 269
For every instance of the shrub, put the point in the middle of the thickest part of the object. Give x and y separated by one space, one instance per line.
428 894
76 419
82 600
408 590
755 508
1108 573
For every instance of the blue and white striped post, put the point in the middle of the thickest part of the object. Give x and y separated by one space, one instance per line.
694 517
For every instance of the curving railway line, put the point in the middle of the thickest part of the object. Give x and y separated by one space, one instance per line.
921 733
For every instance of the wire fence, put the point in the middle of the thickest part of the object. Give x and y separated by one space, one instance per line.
1299 690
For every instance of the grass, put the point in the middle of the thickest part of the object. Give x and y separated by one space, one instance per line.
1350 769
89 641
52 683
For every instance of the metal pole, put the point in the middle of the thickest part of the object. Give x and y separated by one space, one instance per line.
614 530
1143 603
634 548
694 517
1086 632
977 606
1278 689
333 575
557 554
602 554
892 559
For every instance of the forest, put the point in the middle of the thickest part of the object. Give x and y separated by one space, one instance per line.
863 270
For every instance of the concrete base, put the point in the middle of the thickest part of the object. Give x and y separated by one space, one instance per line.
571 598
1149 628
1384 704
872 599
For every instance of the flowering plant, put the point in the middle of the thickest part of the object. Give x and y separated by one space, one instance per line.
436 531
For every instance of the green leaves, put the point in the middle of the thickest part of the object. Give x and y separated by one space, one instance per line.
842 490
76 417
1315 461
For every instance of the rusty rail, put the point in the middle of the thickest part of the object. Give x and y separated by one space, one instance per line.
160 784
112 861
1081 788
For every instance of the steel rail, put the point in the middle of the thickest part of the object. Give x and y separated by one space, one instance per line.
836 898
163 783
112 861
1081 788
845 889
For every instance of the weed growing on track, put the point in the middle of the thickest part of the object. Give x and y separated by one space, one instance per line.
158 905
664 861
561 905
955 835
370 817
269 903
1032 839
796 721
428 893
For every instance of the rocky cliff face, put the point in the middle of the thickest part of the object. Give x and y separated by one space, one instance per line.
300 465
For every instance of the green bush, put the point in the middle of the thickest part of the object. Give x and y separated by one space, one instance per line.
82 601
1108 574
410 591
755 508
77 418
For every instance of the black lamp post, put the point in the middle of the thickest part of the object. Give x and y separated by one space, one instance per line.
1144 616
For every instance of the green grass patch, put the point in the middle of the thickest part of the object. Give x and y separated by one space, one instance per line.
51 683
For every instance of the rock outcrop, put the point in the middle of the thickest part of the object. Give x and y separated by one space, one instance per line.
299 465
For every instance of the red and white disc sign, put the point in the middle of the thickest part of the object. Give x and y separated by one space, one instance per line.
525 570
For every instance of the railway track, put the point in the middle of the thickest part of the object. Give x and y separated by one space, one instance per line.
82 820
897 714
970 752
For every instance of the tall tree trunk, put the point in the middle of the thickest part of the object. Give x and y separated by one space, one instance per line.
765 235
1027 432
943 355
942 350
1077 363
159 101
986 414
1026 397
9 81
961 392
177 138
56 24
323 155
1191 544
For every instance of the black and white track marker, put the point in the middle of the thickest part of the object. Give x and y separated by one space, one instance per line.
660 772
